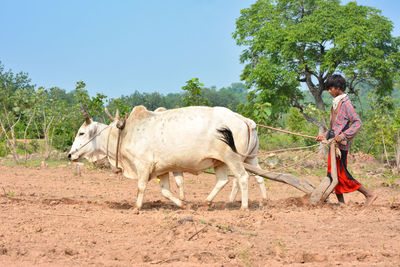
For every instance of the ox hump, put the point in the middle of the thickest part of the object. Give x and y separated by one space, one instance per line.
140 112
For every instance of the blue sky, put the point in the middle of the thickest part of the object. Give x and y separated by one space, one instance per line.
117 47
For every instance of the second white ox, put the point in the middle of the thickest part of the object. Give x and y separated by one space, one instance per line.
152 144
252 143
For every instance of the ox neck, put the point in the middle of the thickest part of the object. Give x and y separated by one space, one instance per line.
108 143
101 139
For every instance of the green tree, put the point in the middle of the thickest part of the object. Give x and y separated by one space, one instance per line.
297 123
121 104
383 127
289 43
15 101
194 94
52 112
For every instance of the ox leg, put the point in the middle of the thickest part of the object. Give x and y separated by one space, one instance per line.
142 184
221 174
179 182
235 189
165 189
240 173
259 179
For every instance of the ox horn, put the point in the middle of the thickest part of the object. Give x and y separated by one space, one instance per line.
85 115
108 114
117 114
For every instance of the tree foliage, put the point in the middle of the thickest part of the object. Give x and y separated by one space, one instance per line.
288 43
194 95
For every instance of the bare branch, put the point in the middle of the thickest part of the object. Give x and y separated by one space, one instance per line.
26 130
19 117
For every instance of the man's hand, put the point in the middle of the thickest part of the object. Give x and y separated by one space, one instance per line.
320 137
338 138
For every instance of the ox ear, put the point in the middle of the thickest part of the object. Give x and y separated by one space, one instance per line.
109 114
85 115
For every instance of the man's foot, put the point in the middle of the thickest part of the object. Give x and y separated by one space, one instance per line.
370 199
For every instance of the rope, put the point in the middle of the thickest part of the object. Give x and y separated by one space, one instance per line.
90 140
287 149
325 142
284 131
298 162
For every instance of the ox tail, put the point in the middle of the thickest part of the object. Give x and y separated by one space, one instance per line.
226 136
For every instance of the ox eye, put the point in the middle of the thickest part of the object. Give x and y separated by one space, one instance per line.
81 133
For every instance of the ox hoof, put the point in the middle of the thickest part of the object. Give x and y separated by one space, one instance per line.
244 208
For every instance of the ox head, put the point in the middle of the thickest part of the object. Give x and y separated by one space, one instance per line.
84 145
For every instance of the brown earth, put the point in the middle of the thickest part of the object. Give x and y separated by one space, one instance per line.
51 217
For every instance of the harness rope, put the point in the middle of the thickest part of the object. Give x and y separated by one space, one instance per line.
287 149
325 142
284 131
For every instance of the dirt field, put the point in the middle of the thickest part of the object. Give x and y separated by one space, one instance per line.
51 217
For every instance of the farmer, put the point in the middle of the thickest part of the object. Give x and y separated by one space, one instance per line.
344 125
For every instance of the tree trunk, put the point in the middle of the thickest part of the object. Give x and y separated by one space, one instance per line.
46 145
384 148
319 103
51 138
46 132
26 130
398 153
10 143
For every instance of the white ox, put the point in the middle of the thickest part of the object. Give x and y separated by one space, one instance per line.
152 144
252 143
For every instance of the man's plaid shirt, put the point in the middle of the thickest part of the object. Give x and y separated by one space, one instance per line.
347 122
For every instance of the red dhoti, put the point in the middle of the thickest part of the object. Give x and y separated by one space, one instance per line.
346 182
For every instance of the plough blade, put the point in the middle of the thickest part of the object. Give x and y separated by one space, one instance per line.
327 185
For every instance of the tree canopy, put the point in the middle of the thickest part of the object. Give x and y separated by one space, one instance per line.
290 44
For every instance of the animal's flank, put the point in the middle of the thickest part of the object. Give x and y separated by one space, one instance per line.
227 137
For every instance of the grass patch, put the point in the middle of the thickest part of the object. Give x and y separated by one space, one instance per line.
37 162
244 256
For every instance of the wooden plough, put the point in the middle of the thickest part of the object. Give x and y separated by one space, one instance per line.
317 193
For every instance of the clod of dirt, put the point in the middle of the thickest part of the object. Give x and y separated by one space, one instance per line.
395 206
22 252
70 252
3 251
64 200
188 219
296 201
119 206
146 258
310 257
